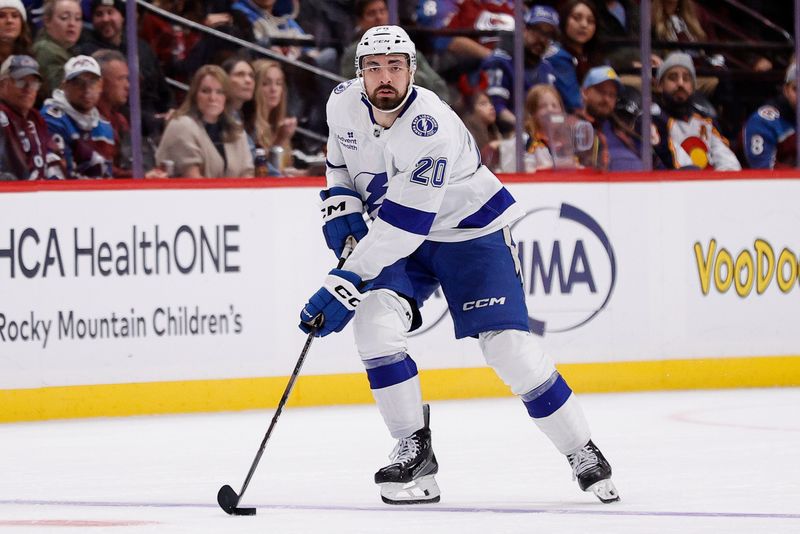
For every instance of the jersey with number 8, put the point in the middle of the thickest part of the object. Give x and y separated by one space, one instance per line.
420 179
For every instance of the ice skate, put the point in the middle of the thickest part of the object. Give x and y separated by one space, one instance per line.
593 472
410 478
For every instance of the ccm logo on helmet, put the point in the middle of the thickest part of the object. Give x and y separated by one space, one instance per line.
483 303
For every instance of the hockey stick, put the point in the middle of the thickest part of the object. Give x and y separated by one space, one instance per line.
227 498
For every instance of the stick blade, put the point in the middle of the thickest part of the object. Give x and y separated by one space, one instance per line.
228 499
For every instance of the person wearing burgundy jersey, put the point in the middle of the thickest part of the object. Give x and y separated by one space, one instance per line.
28 150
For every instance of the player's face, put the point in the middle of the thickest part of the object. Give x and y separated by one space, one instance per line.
677 84
600 99
790 92
386 79
10 24
83 91
210 99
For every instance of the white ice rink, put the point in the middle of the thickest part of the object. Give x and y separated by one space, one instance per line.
684 462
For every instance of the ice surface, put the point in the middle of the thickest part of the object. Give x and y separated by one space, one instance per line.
707 461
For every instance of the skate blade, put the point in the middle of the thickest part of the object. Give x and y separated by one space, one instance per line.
420 491
604 490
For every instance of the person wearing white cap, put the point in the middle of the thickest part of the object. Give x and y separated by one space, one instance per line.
683 136
30 153
15 36
769 133
85 138
616 148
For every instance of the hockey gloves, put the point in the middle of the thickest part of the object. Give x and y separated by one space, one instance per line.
336 302
342 217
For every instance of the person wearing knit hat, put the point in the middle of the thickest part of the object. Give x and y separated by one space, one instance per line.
15 4
769 133
683 136
677 59
15 36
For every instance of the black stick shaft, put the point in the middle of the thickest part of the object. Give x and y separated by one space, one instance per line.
349 246
284 398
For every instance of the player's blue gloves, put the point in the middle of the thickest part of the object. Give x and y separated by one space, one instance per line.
336 301
342 211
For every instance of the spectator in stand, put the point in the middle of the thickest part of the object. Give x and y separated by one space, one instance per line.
480 119
769 134
85 139
113 99
108 19
242 79
541 28
682 135
268 22
577 52
270 126
15 36
63 21
541 102
172 42
615 145
460 55
371 13
619 19
676 21
267 25
203 140
29 151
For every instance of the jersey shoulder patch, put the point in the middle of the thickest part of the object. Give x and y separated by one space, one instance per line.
424 125
342 87
769 113
55 112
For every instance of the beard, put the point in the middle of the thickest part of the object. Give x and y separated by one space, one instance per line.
680 106
599 115
386 102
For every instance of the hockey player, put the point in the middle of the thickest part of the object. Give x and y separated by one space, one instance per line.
769 137
439 217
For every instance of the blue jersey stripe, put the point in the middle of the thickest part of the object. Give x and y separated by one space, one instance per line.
332 166
492 209
409 219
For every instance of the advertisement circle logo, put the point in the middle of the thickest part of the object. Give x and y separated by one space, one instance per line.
568 265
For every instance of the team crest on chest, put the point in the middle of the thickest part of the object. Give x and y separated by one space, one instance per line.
424 125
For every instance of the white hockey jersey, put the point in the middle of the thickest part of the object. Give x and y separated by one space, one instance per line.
420 179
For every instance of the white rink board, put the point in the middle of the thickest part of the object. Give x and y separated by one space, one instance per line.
276 257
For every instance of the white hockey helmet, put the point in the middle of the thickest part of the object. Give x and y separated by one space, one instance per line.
383 40
386 40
